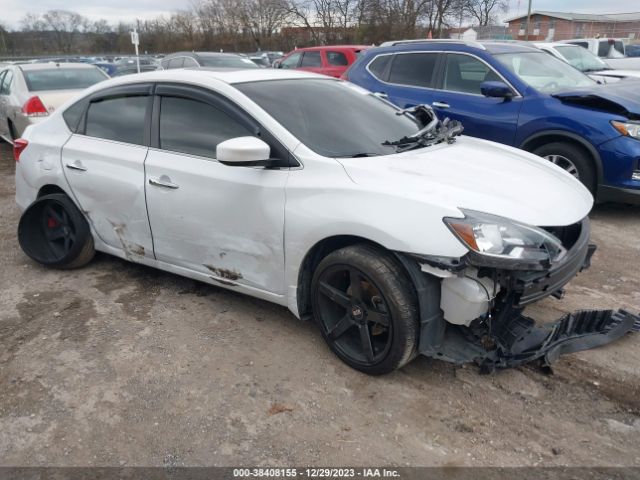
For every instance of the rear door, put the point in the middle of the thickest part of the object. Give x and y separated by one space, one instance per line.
458 97
407 78
104 164
337 61
223 221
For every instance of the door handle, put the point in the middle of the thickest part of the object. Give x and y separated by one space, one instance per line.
440 105
77 165
163 181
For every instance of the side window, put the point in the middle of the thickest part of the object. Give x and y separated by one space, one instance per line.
2 74
337 59
73 114
379 66
120 118
311 59
415 69
291 61
196 128
464 74
176 62
5 87
165 64
190 63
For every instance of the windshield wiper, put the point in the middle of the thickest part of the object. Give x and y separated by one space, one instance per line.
433 131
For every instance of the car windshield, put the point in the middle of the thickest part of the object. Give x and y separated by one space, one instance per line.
331 117
581 58
226 61
63 78
544 72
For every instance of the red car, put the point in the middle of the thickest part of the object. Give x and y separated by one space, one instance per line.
328 60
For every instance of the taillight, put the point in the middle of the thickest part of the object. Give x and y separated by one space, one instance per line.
18 146
34 108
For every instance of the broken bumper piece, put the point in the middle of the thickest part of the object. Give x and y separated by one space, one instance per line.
518 340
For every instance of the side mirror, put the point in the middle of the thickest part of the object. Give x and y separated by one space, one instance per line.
244 152
496 90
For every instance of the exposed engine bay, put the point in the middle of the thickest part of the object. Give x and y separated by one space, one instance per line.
480 316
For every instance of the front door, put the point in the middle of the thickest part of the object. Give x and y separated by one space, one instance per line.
459 98
104 164
223 221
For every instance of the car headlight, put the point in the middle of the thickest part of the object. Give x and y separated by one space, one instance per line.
628 129
501 242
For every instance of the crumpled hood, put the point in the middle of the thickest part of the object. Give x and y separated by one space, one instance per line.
622 98
478 175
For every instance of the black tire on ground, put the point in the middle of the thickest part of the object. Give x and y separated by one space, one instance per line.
366 308
577 155
53 232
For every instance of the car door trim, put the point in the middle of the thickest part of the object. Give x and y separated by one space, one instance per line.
438 71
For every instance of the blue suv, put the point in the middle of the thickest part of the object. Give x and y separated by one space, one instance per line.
520 96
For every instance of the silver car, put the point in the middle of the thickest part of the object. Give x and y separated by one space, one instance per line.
31 92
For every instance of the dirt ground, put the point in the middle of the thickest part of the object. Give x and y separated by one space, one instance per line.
120 364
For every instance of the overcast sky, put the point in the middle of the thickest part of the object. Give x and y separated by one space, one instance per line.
11 11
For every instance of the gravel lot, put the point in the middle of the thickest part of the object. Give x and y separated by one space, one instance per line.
120 364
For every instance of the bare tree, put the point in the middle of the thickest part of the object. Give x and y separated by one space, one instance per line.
65 25
261 19
485 11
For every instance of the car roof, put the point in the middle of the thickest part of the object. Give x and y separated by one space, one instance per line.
201 54
53 65
333 47
494 47
227 75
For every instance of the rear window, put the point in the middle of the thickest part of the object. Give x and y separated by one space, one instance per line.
379 66
610 49
337 59
63 78
414 69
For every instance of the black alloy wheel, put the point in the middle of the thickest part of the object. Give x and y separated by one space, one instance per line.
52 231
355 313
366 308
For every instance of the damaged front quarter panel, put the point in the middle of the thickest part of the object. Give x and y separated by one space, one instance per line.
502 337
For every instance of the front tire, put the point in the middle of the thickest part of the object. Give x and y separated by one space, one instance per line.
53 232
573 159
366 309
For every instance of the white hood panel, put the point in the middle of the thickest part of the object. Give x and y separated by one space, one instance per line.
479 175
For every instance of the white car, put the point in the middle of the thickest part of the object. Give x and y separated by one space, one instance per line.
585 61
30 92
395 234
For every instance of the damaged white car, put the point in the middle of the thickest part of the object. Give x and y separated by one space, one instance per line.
397 235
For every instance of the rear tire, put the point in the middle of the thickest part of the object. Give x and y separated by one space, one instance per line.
53 232
366 308
572 158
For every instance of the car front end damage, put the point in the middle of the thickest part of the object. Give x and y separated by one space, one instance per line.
472 308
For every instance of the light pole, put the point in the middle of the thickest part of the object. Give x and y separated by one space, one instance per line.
526 33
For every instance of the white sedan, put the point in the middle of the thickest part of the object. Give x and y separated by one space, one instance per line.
397 235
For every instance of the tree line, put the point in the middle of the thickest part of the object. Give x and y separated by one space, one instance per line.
248 25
